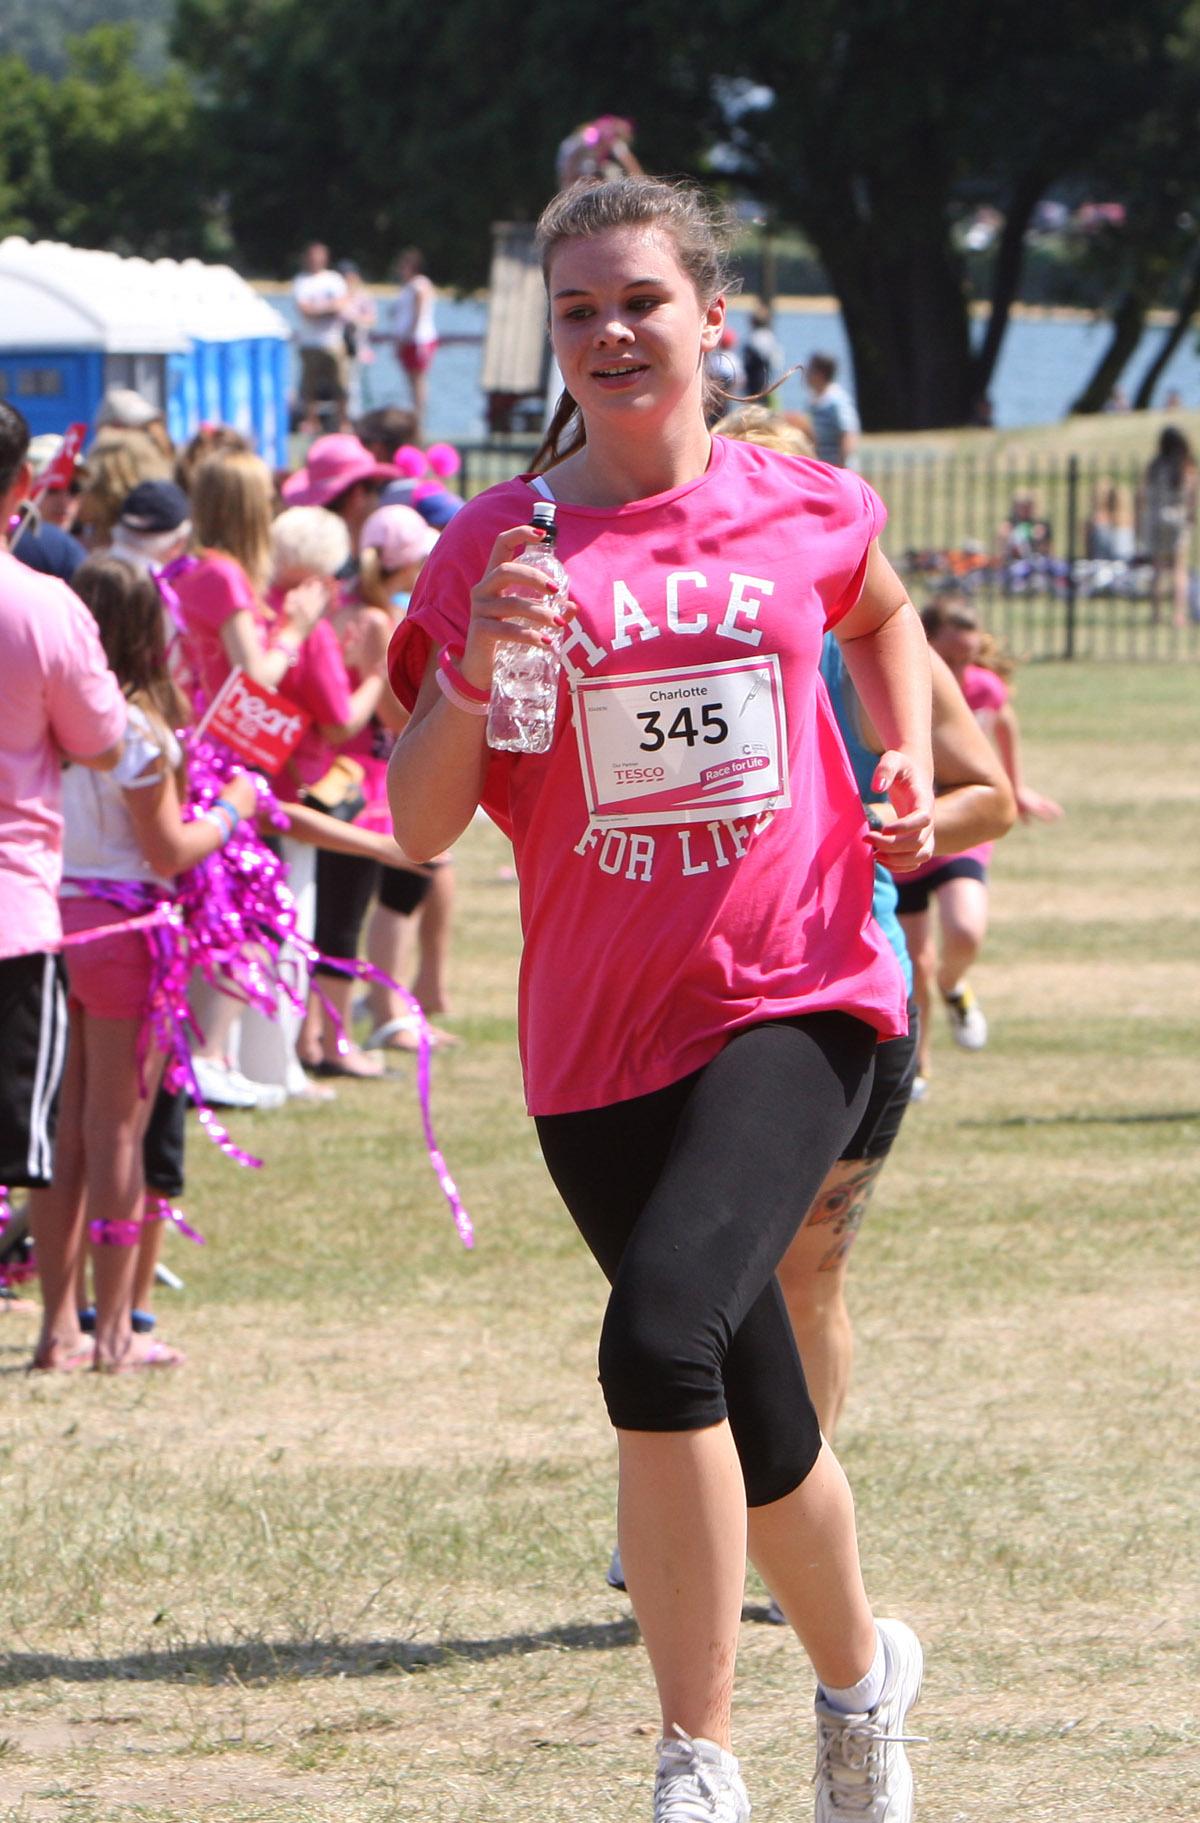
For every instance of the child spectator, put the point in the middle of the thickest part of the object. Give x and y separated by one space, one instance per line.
226 624
131 832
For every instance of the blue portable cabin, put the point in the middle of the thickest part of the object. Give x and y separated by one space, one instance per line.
195 340
229 325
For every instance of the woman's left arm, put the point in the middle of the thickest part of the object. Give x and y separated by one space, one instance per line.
887 656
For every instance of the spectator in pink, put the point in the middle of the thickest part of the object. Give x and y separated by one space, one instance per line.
310 544
57 697
340 473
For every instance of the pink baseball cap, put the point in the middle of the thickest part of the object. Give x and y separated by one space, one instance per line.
334 464
399 534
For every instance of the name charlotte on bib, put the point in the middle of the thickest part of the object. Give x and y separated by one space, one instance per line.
696 772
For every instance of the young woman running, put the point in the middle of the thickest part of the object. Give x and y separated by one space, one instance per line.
958 884
696 878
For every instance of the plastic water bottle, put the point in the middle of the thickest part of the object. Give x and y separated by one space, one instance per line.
524 677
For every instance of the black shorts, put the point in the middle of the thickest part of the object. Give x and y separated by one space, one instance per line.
891 1092
914 895
33 1050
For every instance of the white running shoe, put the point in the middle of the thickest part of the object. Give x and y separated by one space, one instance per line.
224 1087
968 1026
862 1769
615 1574
920 1088
698 1782
775 1613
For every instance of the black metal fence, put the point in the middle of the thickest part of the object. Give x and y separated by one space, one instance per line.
1064 556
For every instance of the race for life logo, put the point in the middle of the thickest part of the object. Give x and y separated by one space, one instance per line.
262 727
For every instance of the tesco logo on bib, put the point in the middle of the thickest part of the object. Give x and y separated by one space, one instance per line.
261 726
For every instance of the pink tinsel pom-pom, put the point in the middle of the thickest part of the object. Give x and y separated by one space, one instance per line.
410 461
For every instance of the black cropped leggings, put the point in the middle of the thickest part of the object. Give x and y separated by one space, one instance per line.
689 1198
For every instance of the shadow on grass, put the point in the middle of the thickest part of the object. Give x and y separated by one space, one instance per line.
265 1661
1087 1120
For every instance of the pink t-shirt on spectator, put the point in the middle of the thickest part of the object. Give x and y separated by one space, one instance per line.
209 595
56 691
986 695
647 943
316 681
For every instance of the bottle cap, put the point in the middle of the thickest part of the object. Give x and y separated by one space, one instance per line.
544 515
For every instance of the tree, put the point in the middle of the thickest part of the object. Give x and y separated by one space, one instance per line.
106 157
888 116
371 127
882 122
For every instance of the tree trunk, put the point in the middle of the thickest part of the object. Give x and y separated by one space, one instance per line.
904 307
1006 280
1128 321
1188 305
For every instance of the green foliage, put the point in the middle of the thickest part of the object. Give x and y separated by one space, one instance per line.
105 157
40 32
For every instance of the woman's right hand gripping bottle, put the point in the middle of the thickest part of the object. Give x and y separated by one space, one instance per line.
524 698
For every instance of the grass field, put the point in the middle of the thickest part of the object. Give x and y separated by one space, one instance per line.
347 1566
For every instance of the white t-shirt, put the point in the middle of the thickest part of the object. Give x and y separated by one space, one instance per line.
412 313
99 840
322 290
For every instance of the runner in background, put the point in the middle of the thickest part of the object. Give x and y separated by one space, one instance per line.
958 885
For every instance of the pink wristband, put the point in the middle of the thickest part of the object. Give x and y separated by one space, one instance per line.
455 687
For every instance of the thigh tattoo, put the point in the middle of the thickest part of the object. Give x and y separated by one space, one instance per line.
842 1208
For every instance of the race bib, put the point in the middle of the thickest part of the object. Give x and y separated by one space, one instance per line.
683 746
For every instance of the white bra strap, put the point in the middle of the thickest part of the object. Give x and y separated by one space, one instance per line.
539 485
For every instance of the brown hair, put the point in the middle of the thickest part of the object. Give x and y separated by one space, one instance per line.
117 460
128 613
233 504
209 440
953 610
699 230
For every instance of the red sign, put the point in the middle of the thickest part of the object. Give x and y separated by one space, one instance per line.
261 726
61 472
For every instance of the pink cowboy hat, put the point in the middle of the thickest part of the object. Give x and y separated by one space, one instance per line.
334 464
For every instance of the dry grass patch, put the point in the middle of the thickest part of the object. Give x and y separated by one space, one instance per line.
348 1566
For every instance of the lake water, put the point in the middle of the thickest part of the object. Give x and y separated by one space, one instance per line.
1043 364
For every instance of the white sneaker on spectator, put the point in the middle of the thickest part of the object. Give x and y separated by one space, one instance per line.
968 1027
862 1768
698 1782
224 1087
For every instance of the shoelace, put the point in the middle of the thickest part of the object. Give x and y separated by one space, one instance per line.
680 1763
849 1757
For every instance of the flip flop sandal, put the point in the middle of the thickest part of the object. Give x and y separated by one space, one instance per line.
158 1355
328 1067
382 1038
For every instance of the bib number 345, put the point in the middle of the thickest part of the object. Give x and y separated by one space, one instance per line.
712 731
684 745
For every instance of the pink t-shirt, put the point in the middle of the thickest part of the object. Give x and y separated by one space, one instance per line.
209 595
56 691
654 930
986 695
316 681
